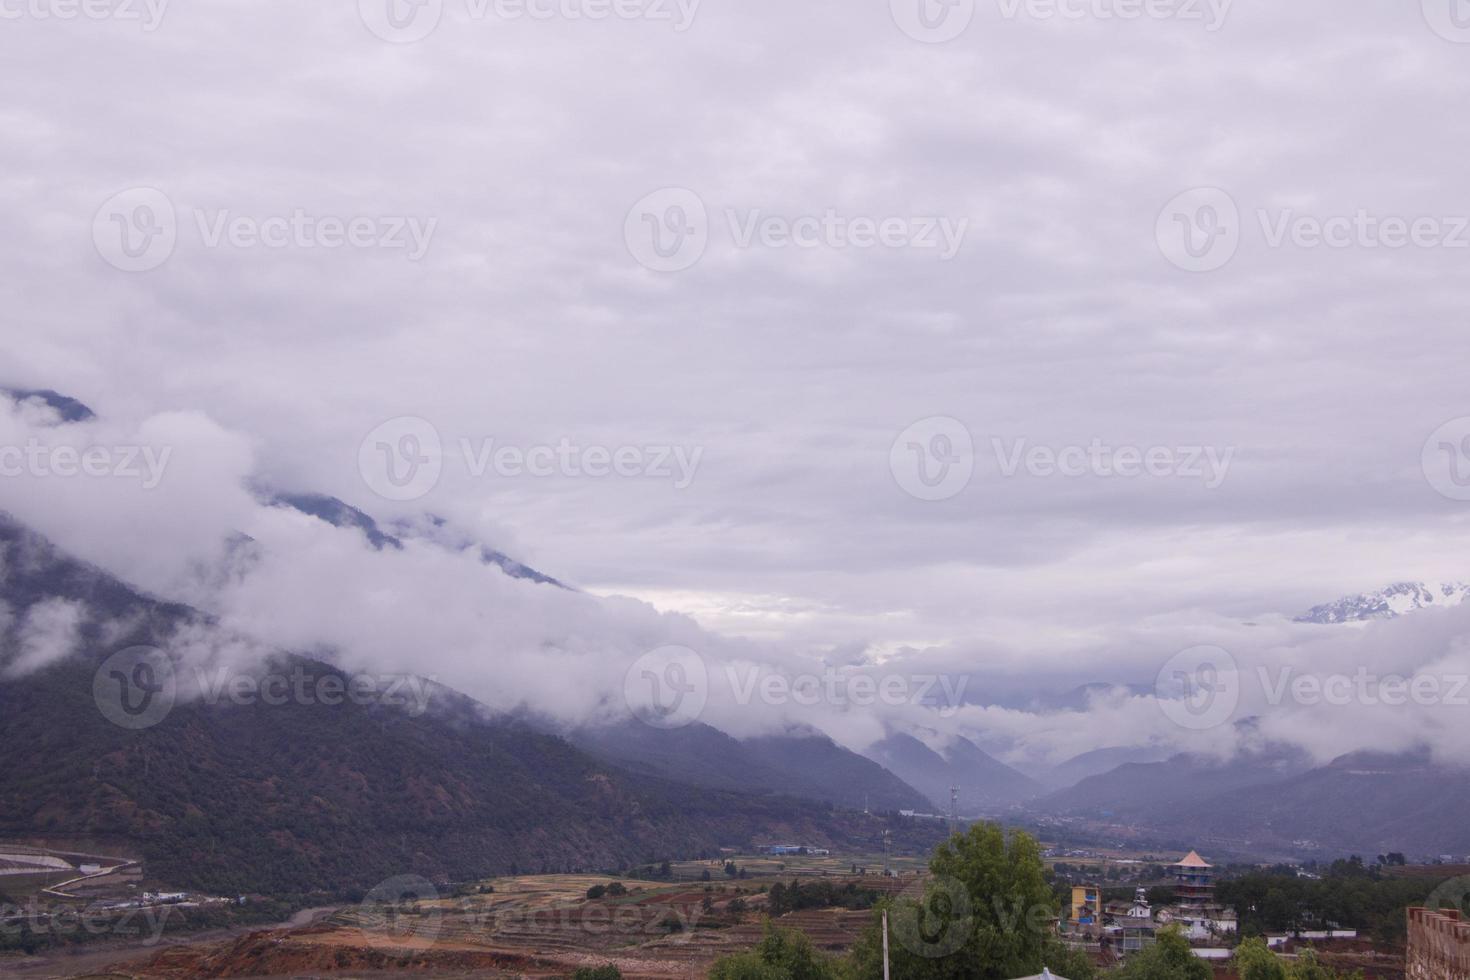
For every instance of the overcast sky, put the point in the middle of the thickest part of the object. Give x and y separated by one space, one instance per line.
1029 287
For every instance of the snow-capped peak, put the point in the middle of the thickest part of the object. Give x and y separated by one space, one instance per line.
1389 603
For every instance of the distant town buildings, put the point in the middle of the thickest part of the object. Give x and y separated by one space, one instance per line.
1439 946
789 850
164 898
1124 928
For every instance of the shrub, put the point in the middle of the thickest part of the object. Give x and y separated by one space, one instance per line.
605 972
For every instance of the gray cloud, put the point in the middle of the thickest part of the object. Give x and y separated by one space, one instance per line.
527 321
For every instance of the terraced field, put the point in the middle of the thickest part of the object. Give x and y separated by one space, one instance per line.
534 926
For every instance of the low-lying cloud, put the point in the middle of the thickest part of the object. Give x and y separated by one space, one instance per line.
272 578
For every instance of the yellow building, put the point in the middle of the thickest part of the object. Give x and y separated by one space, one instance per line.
1086 905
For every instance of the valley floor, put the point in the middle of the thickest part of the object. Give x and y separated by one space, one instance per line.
534 926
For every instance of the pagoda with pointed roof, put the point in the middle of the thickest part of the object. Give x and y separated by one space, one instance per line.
1194 884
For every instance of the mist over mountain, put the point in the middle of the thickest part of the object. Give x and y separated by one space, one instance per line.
301 797
343 515
416 593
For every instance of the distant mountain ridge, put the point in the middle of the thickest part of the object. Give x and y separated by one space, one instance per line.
1147 790
323 507
314 797
1363 802
67 409
1276 800
457 770
983 782
340 514
1099 761
803 763
1387 603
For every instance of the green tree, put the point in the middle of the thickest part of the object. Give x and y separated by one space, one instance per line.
1255 961
985 913
1070 962
1168 959
783 954
1308 967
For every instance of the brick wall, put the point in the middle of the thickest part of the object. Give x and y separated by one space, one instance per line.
1439 946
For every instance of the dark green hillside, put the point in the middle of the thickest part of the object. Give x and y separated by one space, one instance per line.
306 797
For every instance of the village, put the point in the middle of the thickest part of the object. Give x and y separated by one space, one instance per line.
683 918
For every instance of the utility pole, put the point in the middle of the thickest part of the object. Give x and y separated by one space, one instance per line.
954 810
885 944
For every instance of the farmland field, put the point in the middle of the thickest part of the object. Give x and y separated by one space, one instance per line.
544 925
